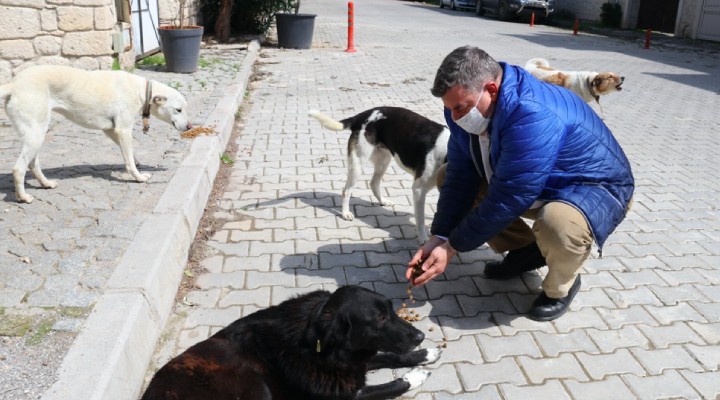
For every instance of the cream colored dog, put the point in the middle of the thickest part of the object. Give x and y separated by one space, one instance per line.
589 85
107 100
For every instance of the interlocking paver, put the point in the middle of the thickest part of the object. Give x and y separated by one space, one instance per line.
600 366
619 317
681 312
663 336
495 348
611 388
708 356
553 344
610 340
668 385
672 295
657 360
549 390
563 366
706 383
474 376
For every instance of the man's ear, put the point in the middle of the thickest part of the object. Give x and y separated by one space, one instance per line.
159 100
492 88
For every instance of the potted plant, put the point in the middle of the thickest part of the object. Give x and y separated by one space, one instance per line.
180 43
295 31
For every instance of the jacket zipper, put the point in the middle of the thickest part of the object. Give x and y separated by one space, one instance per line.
472 154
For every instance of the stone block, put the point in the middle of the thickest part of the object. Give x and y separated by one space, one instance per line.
86 63
95 3
17 49
87 43
104 18
53 60
48 20
73 19
19 23
47 45
39 4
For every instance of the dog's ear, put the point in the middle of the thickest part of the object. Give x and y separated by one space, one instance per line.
597 81
159 100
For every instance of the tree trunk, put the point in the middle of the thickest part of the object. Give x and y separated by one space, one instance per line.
222 25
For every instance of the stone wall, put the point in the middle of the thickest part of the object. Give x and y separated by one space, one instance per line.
76 33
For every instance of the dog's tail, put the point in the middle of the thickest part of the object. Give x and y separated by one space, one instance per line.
537 63
5 91
326 121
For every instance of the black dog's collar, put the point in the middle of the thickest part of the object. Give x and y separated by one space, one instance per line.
146 106
592 90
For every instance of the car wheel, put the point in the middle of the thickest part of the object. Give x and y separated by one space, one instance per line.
452 5
441 4
479 10
503 11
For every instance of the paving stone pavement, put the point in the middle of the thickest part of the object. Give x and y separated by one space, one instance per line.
57 254
644 326
645 323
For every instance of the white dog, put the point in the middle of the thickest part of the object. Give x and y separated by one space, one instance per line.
589 85
381 134
106 100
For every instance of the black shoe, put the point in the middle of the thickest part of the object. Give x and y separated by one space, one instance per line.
516 262
546 309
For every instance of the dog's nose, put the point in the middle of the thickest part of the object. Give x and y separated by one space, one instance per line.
189 126
622 79
419 337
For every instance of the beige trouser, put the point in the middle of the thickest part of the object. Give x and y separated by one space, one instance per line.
561 232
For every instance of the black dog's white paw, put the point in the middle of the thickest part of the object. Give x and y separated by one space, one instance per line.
415 377
432 355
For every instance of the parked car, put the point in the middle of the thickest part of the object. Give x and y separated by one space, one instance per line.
455 4
511 9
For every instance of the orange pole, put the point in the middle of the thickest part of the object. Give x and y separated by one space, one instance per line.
648 33
575 27
351 28
532 19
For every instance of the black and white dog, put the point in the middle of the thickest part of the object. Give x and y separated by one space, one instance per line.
380 134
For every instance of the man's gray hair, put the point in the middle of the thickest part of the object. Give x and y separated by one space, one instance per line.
467 66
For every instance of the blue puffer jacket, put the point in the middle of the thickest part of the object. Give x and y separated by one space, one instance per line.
545 144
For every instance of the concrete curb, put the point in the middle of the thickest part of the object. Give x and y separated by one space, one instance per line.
110 356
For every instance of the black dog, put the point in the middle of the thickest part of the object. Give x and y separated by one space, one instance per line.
318 346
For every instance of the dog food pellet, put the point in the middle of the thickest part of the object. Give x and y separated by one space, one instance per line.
197 131
404 313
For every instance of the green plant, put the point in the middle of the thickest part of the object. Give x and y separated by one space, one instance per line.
247 16
226 159
611 14
153 60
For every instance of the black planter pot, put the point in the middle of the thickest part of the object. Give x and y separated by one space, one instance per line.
181 48
295 31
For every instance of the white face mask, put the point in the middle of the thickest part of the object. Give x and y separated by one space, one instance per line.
474 122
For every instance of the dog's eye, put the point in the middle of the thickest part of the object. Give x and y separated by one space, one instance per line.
381 318
178 110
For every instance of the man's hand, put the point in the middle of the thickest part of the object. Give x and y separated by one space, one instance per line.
436 254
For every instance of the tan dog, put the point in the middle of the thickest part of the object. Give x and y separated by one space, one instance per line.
589 85
107 100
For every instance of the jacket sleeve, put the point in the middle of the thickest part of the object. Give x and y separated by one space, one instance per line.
529 139
462 180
